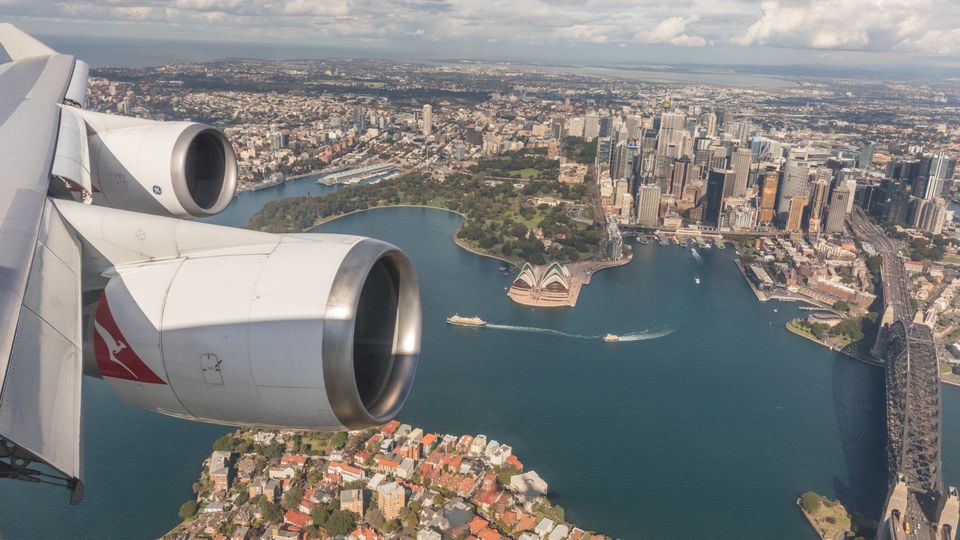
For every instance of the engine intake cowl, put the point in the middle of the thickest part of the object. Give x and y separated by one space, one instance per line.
316 332
168 168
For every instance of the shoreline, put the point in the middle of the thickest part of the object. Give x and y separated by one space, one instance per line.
456 240
585 269
813 523
851 354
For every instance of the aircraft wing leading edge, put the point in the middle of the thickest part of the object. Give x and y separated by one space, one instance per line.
40 336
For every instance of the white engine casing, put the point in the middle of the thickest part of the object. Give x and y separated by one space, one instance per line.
181 169
238 327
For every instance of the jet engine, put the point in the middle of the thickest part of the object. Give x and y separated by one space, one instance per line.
181 169
312 332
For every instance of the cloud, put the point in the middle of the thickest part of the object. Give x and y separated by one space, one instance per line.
673 31
919 26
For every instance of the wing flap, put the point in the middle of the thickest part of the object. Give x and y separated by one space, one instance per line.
40 415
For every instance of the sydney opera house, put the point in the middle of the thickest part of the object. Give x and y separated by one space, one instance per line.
542 286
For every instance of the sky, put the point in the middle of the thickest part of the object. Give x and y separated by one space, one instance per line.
833 32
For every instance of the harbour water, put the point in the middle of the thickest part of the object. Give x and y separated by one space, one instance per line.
707 425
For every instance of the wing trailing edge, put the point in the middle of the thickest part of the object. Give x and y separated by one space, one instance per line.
19 44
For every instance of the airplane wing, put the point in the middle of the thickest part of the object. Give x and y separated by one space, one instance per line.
40 311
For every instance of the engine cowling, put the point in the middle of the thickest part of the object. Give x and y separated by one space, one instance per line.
316 332
182 169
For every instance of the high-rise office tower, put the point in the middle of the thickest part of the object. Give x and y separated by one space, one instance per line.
719 182
818 198
838 209
671 128
768 196
591 126
939 163
718 158
427 120
710 124
927 187
359 118
682 173
742 159
794 181
851 184
795 213
574 127
648 205
866 156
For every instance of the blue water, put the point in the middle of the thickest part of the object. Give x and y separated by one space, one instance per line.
708 425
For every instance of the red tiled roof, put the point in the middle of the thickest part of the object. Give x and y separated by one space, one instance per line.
390 427
385 462
297 519
477 524
428 440
338 467
489 534
526 522
292 458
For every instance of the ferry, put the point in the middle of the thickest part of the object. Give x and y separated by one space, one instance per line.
466 321
610 338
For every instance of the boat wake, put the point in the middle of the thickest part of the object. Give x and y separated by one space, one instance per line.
696 255
646 334
535 330
642 335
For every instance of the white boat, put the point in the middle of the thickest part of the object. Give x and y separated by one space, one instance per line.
696 280
466 321
610 338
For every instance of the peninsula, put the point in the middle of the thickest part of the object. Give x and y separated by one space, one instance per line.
395 481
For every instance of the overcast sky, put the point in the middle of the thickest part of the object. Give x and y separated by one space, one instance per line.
867 32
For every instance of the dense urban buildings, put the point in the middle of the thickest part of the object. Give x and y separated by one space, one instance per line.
783 173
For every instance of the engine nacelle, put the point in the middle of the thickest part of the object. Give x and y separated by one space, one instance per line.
314 332
167 168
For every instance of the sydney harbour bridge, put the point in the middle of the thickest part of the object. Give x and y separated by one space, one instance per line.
918 505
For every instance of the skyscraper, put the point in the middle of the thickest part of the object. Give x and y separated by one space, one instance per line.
591 126
683 172
866 156
795 213
768 196
741 162
710 121
648 205
359 118
718 182
795 181
671 128
818 198
427 120
838 209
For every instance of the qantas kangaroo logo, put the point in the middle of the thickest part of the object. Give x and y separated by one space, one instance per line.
114 357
